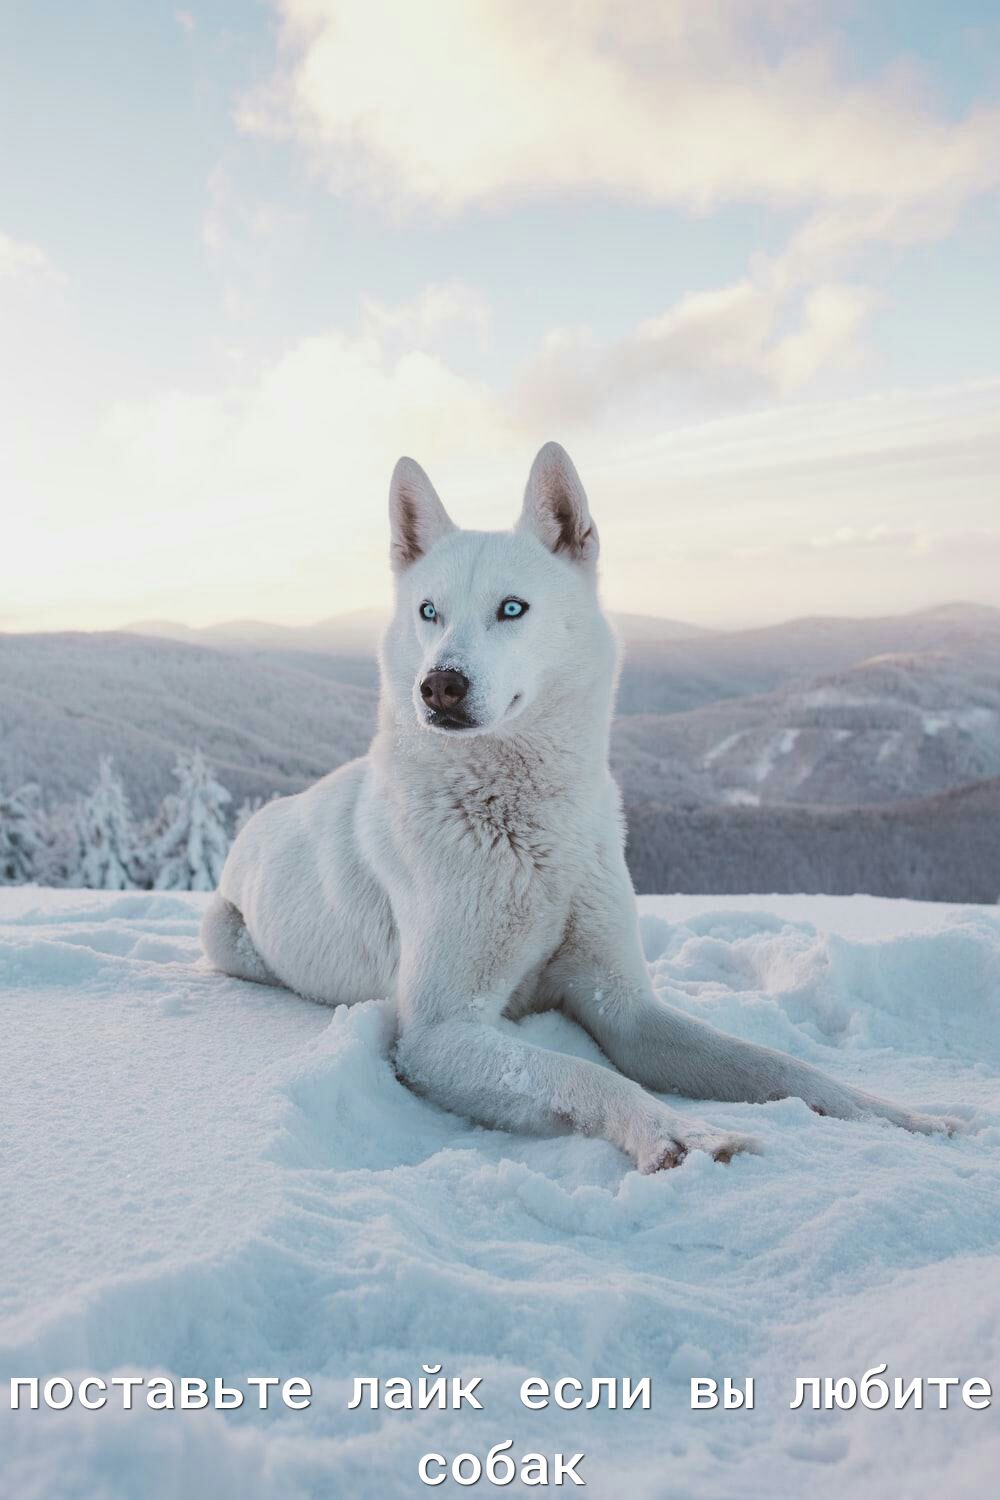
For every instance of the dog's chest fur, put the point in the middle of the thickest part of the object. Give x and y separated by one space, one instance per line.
502 817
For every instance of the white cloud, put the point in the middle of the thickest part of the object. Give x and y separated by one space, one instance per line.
244 234
233 216
267 497
831 318
724 345
869 536
19 258
442 307
475 100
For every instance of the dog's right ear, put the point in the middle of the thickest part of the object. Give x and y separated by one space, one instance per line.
416 516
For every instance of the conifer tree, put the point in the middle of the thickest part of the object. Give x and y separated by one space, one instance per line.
191 842
22 836
108 855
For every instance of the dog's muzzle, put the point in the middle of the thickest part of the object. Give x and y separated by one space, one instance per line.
444 691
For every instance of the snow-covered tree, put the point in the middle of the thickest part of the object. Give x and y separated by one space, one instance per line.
107 847
248 807
59 859
22 836
245 812
190 840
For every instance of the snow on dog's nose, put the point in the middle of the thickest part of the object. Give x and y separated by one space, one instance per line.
443 691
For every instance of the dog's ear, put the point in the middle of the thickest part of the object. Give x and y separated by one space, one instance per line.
416 516
555 507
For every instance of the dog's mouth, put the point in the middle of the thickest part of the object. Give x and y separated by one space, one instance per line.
439 719
452 720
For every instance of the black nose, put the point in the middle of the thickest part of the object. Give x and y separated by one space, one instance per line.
443 691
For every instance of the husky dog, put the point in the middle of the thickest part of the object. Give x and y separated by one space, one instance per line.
472 864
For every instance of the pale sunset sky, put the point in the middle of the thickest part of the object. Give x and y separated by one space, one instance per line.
741 258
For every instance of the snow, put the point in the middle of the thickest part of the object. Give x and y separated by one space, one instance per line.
783 744
202 1177
721 748
968 720
738 796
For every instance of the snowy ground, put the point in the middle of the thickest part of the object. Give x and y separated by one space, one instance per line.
201 1177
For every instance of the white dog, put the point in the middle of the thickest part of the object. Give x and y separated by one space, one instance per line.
472 864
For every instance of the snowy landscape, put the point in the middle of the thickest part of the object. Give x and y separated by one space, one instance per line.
209 1178
286 289
826 755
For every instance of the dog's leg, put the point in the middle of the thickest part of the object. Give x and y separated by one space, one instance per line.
228 945
454 1050
601 978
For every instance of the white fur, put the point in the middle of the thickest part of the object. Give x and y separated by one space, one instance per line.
477 874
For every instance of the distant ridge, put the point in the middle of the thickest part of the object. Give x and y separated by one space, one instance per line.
768 758
359 631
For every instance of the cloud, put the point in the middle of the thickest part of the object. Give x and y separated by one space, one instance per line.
853 537
440 308
244 235
19 258
263 494
473 101
267 496
726 345
478 102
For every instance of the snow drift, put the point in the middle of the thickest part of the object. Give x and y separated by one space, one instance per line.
203 1177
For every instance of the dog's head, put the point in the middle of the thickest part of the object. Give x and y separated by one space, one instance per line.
490 626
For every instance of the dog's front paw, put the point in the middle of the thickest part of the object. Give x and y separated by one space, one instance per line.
935 1124
723 1145
668 1146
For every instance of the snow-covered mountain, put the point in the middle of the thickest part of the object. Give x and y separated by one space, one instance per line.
895 726
669 666
671 677
357 633
354 633
265 726
913 719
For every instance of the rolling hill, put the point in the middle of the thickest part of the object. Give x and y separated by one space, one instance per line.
67 699
943 848
671 677
893 727
836 776
357 633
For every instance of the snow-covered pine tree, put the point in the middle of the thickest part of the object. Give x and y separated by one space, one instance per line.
108 852
248 807
22 836
59 861
191 842
245 812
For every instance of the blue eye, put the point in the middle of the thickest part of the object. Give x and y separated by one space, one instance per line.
427 611
512 609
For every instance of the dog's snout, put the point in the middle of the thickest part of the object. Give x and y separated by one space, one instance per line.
444 690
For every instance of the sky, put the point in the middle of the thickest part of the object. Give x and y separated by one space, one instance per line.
742 260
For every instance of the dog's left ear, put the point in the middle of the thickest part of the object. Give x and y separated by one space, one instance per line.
555 507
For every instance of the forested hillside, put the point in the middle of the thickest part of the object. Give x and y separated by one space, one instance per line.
817 755
944 848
